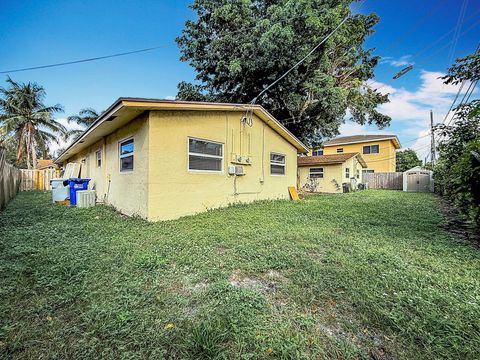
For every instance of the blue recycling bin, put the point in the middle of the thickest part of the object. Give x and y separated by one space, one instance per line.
76 184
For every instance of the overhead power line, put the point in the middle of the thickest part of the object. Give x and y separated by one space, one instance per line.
456 34
299 62
85 60
139 50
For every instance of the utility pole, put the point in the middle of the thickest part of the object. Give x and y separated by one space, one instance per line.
432 144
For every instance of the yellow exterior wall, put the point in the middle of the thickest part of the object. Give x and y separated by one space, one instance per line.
384 161
330 183
127 191
161 187
175 191
334 176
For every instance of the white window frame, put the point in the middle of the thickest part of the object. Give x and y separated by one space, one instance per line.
97 153
316 151
205 155
339 150
120 156
347 171
320 172
368 171
276 163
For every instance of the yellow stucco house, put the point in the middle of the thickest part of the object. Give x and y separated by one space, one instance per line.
378 151
328 173
162 159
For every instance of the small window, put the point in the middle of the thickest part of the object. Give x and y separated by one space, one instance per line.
98 158
317 152
358 174
206 156
347 173
277 164
339 150
368 171
126 155
371 149
316 173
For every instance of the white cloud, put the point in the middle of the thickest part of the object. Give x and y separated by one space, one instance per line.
169 97
410 110
402 61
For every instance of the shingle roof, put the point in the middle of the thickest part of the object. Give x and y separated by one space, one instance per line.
329 159
137 105
360 138
42 163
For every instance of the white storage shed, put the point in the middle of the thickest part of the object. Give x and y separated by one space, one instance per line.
418 179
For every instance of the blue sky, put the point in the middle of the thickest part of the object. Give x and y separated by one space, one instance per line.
43 32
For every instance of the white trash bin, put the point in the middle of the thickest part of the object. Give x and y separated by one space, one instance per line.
60 192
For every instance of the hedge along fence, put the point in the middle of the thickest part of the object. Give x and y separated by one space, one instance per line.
10 179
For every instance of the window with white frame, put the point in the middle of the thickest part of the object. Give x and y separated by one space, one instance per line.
317 152
205 155
368 171
316 173
347 173
277 164
339 150
371 149
126 151
98 158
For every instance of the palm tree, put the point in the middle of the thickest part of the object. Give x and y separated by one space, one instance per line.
85 117
26 120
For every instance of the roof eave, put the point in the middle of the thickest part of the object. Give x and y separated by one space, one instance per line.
185 105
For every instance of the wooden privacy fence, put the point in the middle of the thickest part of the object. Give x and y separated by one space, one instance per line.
9 181
38 179
385 180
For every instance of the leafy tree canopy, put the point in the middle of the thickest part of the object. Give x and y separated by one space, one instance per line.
407 159
457 171
239 47
26 123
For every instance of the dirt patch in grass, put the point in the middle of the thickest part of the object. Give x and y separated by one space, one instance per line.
267 283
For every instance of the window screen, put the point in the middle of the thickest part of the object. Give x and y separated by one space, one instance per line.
126 155
371 149
98 158
277 164
316 173
205 155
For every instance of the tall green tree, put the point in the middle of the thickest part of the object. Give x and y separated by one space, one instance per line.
457 171
27 121
407 159
239 47
85 118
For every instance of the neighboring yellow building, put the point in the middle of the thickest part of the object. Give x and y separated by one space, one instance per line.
162 159
378 151
328 173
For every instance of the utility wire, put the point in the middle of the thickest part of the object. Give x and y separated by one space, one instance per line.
254 100
135 51
456 34
419 23
458 94
430 45
85 60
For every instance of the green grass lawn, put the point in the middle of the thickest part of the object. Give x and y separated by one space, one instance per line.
371 274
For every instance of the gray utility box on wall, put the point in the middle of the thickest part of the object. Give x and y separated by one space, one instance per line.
85 198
